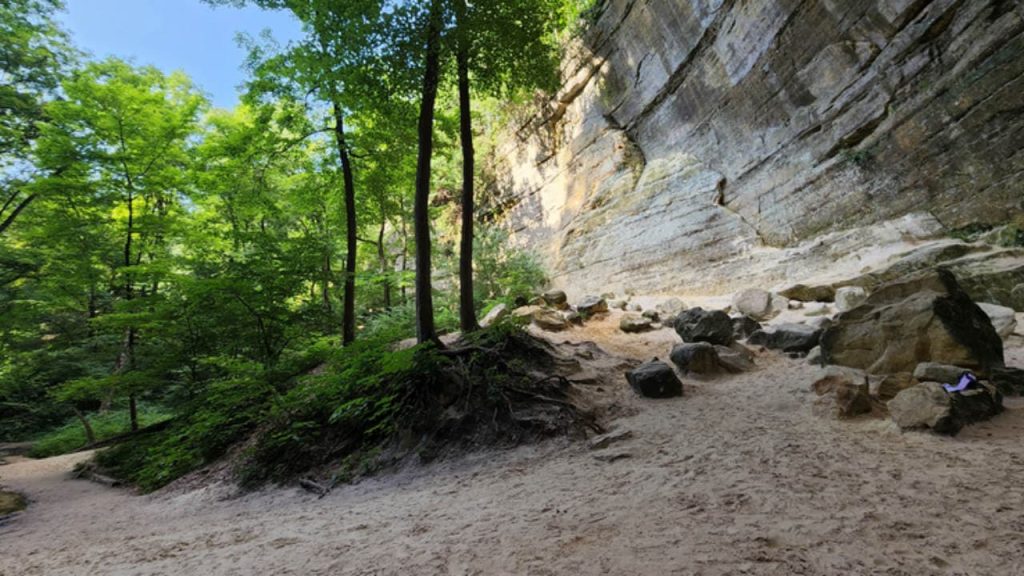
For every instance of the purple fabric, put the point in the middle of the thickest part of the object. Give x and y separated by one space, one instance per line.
966 379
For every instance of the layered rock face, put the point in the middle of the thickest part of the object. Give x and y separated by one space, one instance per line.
701 146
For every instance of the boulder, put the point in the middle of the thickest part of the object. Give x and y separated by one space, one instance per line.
670 308
735 358
550 320
556 299
591 305
814 356
696 358
928 405
525 311
849 297
1009 381
632 323
743 327
798 338
888 386
846 389
655 379
937 372
496 313
804 293
1004 319
699 325
753 303
919 319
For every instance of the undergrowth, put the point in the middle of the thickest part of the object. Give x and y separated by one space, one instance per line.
364 406
70 436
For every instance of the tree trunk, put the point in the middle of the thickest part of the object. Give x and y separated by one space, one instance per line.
90 436
467 308
133 413
425 330
382 257
348 312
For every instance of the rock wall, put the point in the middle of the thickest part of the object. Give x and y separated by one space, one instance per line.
698 146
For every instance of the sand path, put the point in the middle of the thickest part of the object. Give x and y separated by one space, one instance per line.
737 477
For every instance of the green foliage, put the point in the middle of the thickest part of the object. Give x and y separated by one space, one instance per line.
70 436
504 273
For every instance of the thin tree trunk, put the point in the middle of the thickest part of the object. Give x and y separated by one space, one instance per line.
348 313
133 413
127 360
382 257
467 308
90 436
425 330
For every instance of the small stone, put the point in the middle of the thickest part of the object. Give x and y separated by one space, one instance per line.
671 308
609 296
743 327
605 440
651 315
556 299
525 311
634 307
753 303
817 309
814 356
847 389
617 304
926 405
573 317
611 456
735 358
796 305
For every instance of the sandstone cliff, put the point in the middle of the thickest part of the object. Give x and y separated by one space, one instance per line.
702 145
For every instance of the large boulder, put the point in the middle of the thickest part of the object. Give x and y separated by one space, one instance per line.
699 325
928 405
655 379
797 338
919 319
1004 319
591 305
753 303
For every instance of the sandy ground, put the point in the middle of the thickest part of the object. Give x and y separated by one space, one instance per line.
736 477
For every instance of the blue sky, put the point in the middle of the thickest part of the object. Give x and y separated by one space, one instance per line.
185 35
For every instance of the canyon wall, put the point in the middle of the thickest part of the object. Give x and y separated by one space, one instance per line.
700 146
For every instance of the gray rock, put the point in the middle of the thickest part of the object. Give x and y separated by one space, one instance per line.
1009 381
651 315
617 304
735 358
928 405
496 313
591 305
937 372
743 327
924 318
1004 319
803 293
850 297
556 299
814 357
697 358
549 320
655 379
573 317
753 303
797 338
846 389
672 307
633 323
699 325
634 307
